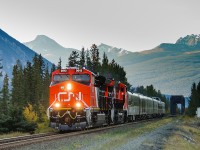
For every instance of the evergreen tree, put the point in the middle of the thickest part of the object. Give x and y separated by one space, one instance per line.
104 68
82 58
28 83
88 60
37 80
42 65
95 58
5 97
53 68
105 61
18 86
1 67
194 99
198 93
72 60
151 92
59 64
47 80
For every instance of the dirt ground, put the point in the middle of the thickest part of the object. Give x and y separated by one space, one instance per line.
181 134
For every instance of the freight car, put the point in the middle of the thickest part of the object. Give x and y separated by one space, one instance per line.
81 99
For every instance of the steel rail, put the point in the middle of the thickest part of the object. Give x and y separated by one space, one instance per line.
10 143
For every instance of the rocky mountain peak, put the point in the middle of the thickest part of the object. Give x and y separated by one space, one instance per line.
190 40
44 42
43 39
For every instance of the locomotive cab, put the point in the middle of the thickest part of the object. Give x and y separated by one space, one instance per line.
71 92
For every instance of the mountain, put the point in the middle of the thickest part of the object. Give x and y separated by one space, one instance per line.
50 49
170 67
10 51
112 52
190 40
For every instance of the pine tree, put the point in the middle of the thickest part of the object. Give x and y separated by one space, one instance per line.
105 61
5 96
88 61
47 80
95 58
28 83
42 65
104 68
151 92
18 85
198 93
73 59
82 58
1 67
53 68
194 99
59 64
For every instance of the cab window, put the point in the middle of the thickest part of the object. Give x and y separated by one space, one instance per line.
81 78
60 78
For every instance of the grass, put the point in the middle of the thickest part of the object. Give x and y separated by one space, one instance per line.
187 135
123 136
12 134
114 138
42 128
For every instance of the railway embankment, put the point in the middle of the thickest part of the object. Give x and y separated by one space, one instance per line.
167 133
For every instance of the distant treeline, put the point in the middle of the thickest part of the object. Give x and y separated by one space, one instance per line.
194 102
150 91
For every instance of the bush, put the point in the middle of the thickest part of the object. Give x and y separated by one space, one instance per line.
25 126
29 114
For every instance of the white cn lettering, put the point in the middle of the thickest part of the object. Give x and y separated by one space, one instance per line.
79 96
65 93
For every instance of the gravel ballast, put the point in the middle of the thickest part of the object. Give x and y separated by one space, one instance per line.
114 139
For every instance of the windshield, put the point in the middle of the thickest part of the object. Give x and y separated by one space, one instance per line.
81 78
60 78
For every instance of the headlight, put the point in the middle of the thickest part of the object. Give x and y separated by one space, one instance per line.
69 86
78 104
57 105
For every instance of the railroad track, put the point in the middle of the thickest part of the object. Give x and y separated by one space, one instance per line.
10 143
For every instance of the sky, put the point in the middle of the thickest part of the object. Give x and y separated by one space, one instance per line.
133 25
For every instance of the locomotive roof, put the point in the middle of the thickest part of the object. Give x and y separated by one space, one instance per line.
66 70
142 96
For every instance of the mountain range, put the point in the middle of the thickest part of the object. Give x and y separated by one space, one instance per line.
50 49
12 50
170 67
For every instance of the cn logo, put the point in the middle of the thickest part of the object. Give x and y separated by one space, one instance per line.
78 96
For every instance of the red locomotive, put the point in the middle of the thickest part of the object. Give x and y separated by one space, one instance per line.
80 99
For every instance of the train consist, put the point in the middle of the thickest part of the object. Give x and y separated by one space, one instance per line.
81 99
